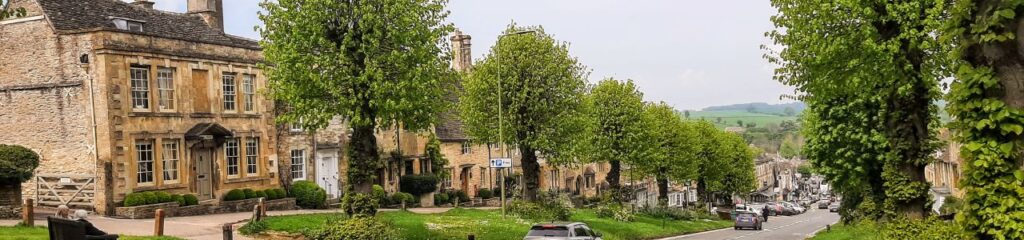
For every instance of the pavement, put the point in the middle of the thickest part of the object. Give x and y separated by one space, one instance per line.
797 227
204 227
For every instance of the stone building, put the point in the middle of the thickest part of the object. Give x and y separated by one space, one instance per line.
119 97
944 173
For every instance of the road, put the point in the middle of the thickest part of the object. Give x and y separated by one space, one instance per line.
797 227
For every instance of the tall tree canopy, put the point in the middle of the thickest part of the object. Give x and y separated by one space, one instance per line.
670 151
541 90
724 162
618 111
869 72
373 62
986 101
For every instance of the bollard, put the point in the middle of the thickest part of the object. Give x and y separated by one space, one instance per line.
158 223
471 237
828 227
27 213
256 213
263 208
227 231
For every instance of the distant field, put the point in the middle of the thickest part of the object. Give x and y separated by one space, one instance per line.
729 117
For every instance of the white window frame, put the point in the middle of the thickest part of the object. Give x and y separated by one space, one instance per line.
248 93
165 88
139 82
133 26
252 156
144 162
298 157
171 160
229 90
467 147
231 154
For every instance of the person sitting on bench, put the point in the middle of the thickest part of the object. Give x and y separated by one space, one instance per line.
90 230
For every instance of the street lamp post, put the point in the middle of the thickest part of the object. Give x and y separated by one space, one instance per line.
501 138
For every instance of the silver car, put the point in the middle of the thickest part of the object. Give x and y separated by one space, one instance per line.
562 231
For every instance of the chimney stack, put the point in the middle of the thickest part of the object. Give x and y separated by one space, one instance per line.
144 4
212 11
462 57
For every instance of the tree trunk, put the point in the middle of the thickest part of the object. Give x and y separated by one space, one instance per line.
364 160
662 190
10 194
613 177
531 173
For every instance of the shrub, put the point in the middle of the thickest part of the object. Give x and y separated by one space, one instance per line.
253 227
380 195
930 228
484 193
17 164
615 211
539 211
441 198
281 193
308 195
359 204
234 195
669 213
271 194
178 199
191 200
134 199
419 184
355 228
262 194
458 195
950 205
150 197
401 197
249 193
163 197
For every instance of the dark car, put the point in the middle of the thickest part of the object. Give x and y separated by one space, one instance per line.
774 209
747 220
834 207
823 204
562 231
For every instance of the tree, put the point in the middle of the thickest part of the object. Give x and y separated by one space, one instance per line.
17 165
375 63
789 111
7 12
686 113
986 103
870 72
669 154
724 162
542 100
438 162
619 112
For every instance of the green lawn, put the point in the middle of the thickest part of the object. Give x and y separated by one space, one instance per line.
33 233
729 118
849 232
488 224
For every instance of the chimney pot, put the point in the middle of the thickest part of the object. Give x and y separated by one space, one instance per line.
212 12
144 4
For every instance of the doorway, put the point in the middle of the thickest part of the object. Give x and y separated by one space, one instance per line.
203 170
327 173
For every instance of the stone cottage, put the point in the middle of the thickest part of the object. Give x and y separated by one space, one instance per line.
118 97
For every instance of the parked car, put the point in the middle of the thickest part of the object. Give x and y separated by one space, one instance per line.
562 231
790 209
774 209
823 204
747 220
799 208
834 207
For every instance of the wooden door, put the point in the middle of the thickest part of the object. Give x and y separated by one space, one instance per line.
204 172
200 91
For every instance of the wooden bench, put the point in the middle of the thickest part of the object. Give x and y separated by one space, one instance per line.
67 229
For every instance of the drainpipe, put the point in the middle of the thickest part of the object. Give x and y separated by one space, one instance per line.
84 61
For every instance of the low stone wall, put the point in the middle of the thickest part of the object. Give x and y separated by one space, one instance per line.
194 210
245 205
280 204
145 211
10 212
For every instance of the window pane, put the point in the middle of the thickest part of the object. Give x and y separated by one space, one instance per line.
229 92
249 91
144 158
170 159
252 154
140 87
231 154
165 87
298 164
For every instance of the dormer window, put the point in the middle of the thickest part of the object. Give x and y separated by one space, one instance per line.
128 24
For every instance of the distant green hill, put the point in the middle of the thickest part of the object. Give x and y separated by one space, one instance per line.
729 118
784 109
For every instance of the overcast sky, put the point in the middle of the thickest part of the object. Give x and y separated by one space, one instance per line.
689 53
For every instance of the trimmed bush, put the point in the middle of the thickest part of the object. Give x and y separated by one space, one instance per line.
308 195
401 197
262 194
178 199
150 198
234 195
355 228
281 193
380 195
419 184
163 197
484 193
462 196
191 200
134 199
441 198
271 194
17 164
249 193
359 204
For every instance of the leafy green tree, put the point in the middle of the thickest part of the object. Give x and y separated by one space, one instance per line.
686 114
438 162
986 103
670 151
7 12
541 89
375 63
870 72
618 111
724 162
788 148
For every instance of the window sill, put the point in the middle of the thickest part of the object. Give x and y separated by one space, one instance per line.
201 115
154 114
240 115
150 187
245 179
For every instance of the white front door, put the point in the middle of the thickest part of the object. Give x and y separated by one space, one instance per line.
327 173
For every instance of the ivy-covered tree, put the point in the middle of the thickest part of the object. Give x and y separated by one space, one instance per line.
438 162
541 89
869 71
671 149
374 63
618 110
987 105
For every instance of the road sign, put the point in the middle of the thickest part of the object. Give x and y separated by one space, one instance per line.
501 162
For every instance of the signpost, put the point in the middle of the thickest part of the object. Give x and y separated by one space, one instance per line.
501 163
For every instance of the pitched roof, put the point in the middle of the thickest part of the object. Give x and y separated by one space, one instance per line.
70 16
449 126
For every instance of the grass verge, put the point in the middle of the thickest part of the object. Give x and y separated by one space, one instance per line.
862 231
488 224
40 233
